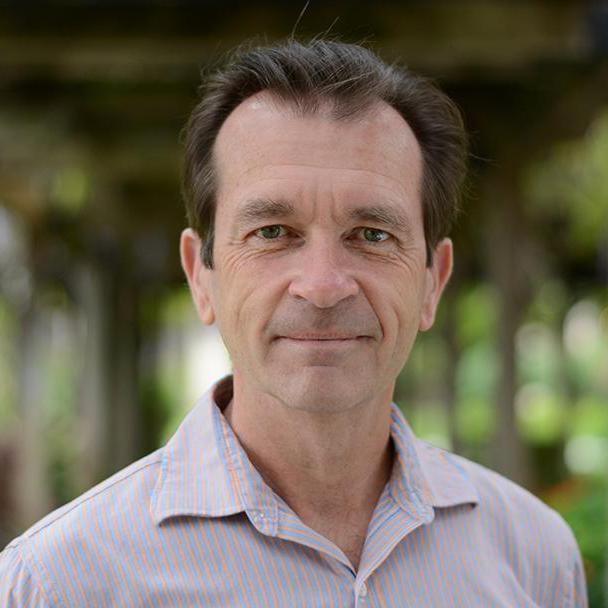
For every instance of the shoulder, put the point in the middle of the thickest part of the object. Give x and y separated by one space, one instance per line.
133 483
515 522
521 531
520 542
501 498
18 585
76 529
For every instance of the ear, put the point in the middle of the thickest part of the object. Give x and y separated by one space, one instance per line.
436 278
198 275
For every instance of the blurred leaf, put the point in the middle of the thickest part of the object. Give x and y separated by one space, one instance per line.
590 417
8 380
429 422
475 420
541 413
571 185
477 372
476 314
538 353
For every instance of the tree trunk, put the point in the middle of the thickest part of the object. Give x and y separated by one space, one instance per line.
507 268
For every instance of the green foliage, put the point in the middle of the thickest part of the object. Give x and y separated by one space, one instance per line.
475 420
571 186
429 421
8 383
541 414
590 417
549 303
60 377
587 348
584 505
476 314
539 357
70 189
477 372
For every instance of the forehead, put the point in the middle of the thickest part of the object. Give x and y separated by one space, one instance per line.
265 139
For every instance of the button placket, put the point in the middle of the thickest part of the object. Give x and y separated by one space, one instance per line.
362 593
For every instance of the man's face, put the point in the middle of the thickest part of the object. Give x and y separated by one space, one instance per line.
319 284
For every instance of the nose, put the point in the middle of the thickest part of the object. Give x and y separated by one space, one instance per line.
322 278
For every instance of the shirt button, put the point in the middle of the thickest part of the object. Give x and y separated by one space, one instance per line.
363 590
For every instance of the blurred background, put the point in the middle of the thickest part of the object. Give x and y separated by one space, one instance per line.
101 354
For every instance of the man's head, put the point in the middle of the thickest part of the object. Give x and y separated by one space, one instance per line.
320 273
350 79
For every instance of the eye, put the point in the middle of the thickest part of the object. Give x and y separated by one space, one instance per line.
373 235
271 232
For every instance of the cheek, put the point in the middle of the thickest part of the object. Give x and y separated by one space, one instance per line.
246 300
399 313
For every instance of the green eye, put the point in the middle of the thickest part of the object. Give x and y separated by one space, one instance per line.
271 232
374 236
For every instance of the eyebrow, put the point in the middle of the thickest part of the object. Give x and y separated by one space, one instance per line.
263 209
386 216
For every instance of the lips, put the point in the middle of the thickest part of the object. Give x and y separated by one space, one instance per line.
320 337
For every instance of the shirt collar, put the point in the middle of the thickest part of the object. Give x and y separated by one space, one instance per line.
433 474
206 472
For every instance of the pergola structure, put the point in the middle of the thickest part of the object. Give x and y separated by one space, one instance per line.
93 100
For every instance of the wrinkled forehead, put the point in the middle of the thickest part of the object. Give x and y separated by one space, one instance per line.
265 130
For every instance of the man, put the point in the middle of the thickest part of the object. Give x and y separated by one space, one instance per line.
321 185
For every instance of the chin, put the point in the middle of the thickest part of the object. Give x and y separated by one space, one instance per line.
321 389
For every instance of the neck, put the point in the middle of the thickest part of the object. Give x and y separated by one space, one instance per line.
323 465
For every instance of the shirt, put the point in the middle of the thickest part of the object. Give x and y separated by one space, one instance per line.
194 524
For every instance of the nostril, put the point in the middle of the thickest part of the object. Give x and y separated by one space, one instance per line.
324 291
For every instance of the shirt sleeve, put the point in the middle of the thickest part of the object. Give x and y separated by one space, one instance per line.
17 585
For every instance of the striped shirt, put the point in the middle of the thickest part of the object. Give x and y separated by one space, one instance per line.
194 524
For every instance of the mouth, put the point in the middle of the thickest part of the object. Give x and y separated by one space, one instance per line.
322 341
312 337
321 349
